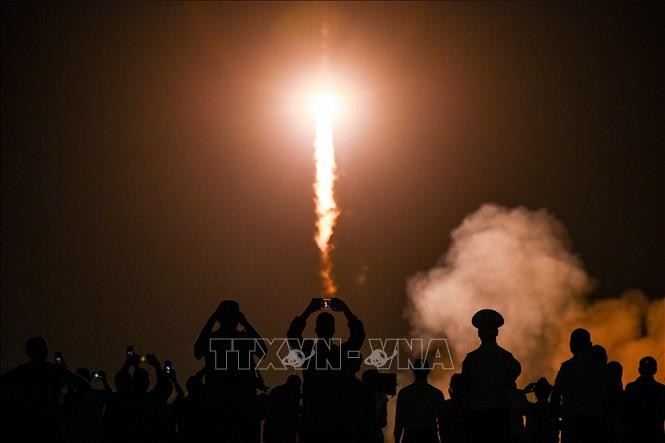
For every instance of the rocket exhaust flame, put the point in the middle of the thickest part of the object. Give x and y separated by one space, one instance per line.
324 195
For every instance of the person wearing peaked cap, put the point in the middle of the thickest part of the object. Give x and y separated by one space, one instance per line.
489 375
644 405
487 319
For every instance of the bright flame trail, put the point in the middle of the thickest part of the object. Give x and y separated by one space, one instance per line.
324 184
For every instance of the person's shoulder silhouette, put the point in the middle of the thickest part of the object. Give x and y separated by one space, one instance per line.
582 390
36 388
420 408
231 378
489 374
323 376
283 419
644 405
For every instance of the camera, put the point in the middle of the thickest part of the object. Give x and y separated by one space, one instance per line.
58 358
97 375
325 303
168 367
130 351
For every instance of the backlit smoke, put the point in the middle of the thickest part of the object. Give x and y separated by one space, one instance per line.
520 263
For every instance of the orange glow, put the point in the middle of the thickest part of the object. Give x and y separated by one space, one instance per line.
324 107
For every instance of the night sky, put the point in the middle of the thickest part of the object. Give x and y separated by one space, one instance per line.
155 159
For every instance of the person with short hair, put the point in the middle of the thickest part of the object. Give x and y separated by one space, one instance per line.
644 405
420 408
323 377
35 390
581 392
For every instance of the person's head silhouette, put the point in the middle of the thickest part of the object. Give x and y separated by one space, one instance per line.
163 390
140 381
488 322
294 382
85 373
580 341
123 381
325 325
648 366
456 385
543 389
228 315
421 369
599 353
195 387
36 348
371 377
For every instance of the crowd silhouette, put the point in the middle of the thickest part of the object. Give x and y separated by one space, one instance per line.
227 400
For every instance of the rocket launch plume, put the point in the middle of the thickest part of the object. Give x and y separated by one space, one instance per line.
324 183
324 107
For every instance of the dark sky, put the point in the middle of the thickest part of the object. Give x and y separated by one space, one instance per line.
153 163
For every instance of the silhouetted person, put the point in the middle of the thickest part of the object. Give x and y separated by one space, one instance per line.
358 418
378 404
35 390
489 383
84 423
322 377
581 392
116 420
541 422
162 414
283 421
615 423
190 411
644 405
230 372
452 423
420 406
599 353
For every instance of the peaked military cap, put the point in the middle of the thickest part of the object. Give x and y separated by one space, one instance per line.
487 319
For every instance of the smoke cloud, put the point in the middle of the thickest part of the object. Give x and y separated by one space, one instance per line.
520 263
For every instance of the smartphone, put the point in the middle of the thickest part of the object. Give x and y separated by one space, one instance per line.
168 367
142 359
97 375
325 303
130 351
58 358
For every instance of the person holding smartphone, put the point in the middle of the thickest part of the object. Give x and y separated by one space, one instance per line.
323 403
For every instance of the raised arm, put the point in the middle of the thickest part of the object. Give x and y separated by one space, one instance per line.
294 334
180 393
105 382
202 342
153 361
73 380
253 333
356 328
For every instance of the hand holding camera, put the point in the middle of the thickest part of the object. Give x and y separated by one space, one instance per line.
169 372
59 359
337 304
152 360
314 305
